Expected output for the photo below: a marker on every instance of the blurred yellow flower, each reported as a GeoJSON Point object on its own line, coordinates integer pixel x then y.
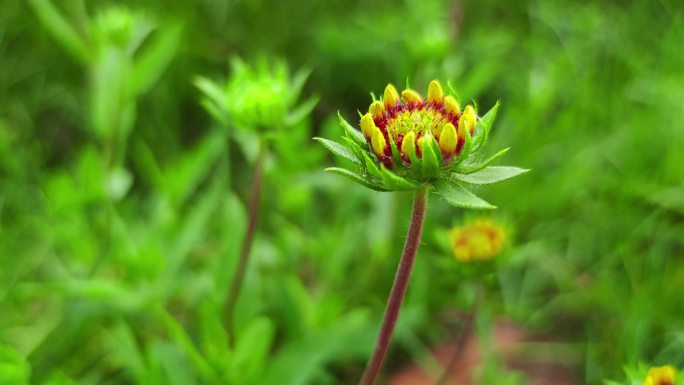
{"type": "Point", "coordinates": [479, 240]}
{"type": "Point", "coordinates": [662, 375]}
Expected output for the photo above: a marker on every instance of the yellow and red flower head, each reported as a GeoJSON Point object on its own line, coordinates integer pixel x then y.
{"type": "Point", "coordinates": [478, 240]}
{"type": "Point", "coordinates": [409, 122]}
{"type": "Point", "coordinates": [662, 375]}
{"type": "Point", "coordinates": [407, 141]}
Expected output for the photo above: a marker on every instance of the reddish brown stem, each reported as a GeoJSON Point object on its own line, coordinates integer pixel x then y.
{"type": "Point", "coordinates": [398, 291]}
{"type": "Point", "coordinates": [253, 216]}
{"type": "Point", "coordinates": [459, 348]}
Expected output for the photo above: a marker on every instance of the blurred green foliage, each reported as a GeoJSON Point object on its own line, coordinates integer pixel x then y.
{"type": "Point", "coordinates": [122, 204]}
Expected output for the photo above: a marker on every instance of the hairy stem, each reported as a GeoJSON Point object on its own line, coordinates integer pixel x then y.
{"type": "Point", "coordinates": [253, 216]}
{"type": "Point", "coordinates": [401, 280]}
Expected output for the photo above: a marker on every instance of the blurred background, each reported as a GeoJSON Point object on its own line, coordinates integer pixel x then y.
{"type": "Point", "coordinates": [123, 199]}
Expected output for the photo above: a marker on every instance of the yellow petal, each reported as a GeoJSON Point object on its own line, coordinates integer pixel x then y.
{"type": "Point", "coordinates": [408, 145]}
{"type": "Point", "coordinates": [451, 105]}
{"type": "Point", "coordinates": [411, 96]}
{"type": "Point", "coordinates": [378, 141]}
{"type": "Point", "coordinates": [376, 108]}
{"type": "Point", "coordinates": [391, 97]}
{"type": "Point", "coordinates": [467, 121]}
{"type": "Point", "coordinates": [448, 139]}
{"type": "Point", "coordinates": [367, 125]}
{"type": "Point", "coordinates": [435, 93]}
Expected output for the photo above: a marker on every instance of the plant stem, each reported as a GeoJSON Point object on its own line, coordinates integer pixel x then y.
{"type": "Point", "coordinates": [461, 340]}
{"type": "Point", "coordinates": [401, 280]}
{"type": "Point", "coordinates": [253, 216]}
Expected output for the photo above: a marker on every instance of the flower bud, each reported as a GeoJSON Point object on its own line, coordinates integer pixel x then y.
{"type": "Point", "coordinates": [408, 145]}
{"type": "Point", "coordinates": [367, 125]}
{"type": "Point", "coordinates": [451, 105]}
{"type": "Point", "coordinates": [378, 141]}
{"type": "Point", "coordinates": [435, 93]}
{"type": "Point", "coordinates": [448, 140]}
{"type": "Point", "coordinates": [411, 96]}
{"type": "Point", "coordinates": [467, 121]}
{"type": "Point", "coordinates": [391, 97]}
{"type": "Point", "coordinates": [376, 109]}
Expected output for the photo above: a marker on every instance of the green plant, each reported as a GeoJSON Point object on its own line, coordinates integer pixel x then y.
{"type": "Point", "coordinates": [261, 102]}
{"type": "Point", "coordinates": [417, 144]}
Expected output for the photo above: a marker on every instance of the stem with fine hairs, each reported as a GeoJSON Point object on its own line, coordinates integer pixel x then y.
{"type": "Point", "coordinates": [398, 291]}
{"type": "Point", "coordinates": [253, 216]}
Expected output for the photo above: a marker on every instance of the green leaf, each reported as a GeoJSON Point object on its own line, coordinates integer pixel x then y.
{"type": "Point", "coordinates": [484, 124]}
{"type": "Point", "coordinates": [252, 348]}
{"type": "Point", "coordinates": [487, 120]}
{"type": "Point", "coordinates": [358, 178]}
{"type": "Point", "coordinates": [15, 369]}
{"type": "Point", "coordinates": [430, 159]}
{"type": "Point", "coordinates": [394, 149]}
{"type": "Point", "coordinates": [470, 168]}
{"type": "Point", "coordinates": [298, 81]}
{"type": "Point", "coordinates": [61, 30]}
{"type": "Point", "coordinates": [155, 58]}
{"type": "Point", "coordinates": [460, 197]}
{"type": "Point", "coordinates": [213, 99]}
{"type": "Point", "coordinates": [339, 150]}
{"type": "Point", "coordinates": [352, 132]}
{"type": "Point", "coordinates": [394, 181]}
{"type": "Point", "coordinates": [301, 111]}
{"type": "Point", "coordinates": [490, 175]}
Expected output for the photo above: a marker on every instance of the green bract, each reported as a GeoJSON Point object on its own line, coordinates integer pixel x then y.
{"type": "Point", "coordinates": [262, 97]}
{"type": "Point", "coordinates": [408, 141]}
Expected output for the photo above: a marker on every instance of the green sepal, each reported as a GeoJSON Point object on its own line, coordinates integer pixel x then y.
{"type": "Point", "coordinates": [394, 181]}
{"type": "Point", "coordinates": [355, 148]}
{"type": "Point", "coordinates": [395, 151]}
{"type": "Point", "coordinates": [430, 160]}
{"type": "Point", "coordinates": [351, 132]}
{"type": "Point", "coordinates": [471, 168]}
{"type": "Point", "coordinates": [458, 196]}
{"type": "Point", "coordinates": [358, 178]}
{"type": "Point", "coordinates": [339, 149]}
{"type": "Point", "coordinates": [371, 167]}
{"type": "Point", "coordinates": [490, 175]}
{"type": "Point", "coordinates": [484, 125]}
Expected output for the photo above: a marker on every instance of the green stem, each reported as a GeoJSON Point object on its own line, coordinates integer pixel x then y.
{"type": "Point", "coordinates": [398, 291]}
{"type": "Point", "coordinates": [253, 216]}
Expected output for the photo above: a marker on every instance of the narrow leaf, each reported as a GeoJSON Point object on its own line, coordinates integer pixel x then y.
{"type": "Point", "coordinates": [339, 150]}
{"type": "Point", "coordinates": [155, 58]}
{"type": "Point", "coordinates": [352, 132]}
{"type": "Point", "coordinates": [61, 29]}
{"type": "Point", "coordinates": [490, 175]}
{"type": "Point", "coordinates": [357, 178]}
{"type": "Point", "coordinates": [487, 120]}
{"type": "Point", "coordinates": [484, 125]}
{"type": "Point", "coordinates": [301, 111]}
{"type": "Point", "coordinates": [470, 168]}
{"type": "Point", "coordinates": [460, 197]}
